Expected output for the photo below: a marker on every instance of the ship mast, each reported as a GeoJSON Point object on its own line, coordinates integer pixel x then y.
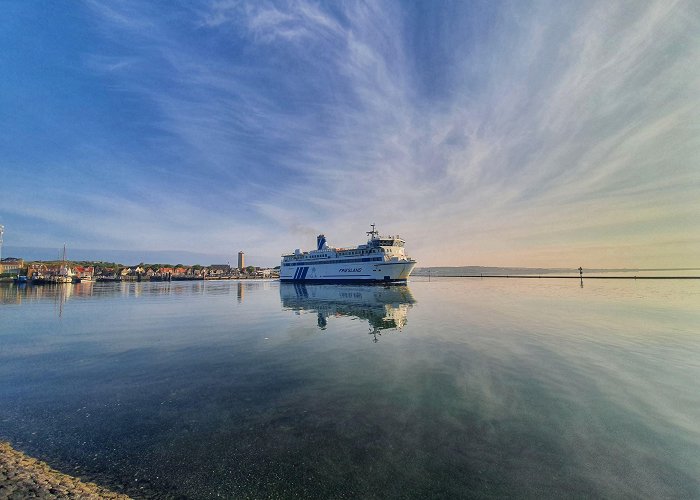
{"type": "Point", "coordinates": [373, 232]}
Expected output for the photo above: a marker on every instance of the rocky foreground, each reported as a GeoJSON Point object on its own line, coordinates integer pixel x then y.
{"type": "Point", "coordinates": [24, 477]}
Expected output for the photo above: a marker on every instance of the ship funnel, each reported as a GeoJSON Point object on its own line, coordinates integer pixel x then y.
{"type": "Point", "coordinates": [320, 242]}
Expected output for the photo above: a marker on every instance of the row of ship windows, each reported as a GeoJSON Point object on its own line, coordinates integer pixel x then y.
{"type": "Point", "coordinates": [333, 261]}
{"type": "Point", "coordinates": [358, 252]}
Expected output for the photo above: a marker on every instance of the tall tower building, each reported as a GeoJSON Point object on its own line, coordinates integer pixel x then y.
{"type": "Point", "coordinates": [241, 260]}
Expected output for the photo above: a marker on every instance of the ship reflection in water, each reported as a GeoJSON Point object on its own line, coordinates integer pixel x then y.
{"type": "Point", "coordinates": [384, 307]}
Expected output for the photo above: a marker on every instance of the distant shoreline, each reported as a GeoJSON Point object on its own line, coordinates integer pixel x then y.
{"type": "Point", "coordinates": [511, 276]}
{"type": "Point", "coordinates": [559, 273]}
{"type": "Point", "coordinates": [547, 270]}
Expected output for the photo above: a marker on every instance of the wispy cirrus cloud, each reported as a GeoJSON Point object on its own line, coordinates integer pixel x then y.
{"type": "Point", "coordinates": [502, 134]}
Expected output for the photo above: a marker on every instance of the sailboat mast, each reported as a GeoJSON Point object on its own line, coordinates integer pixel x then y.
{"type": "Point", "coordinates": [64, 266]}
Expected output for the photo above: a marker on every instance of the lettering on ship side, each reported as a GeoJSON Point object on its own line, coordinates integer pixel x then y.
{"type": "Point", "coordinates": [350, 270]}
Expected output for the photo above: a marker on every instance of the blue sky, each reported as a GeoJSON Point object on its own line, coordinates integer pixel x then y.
{"type": "Point", "coordinates": [549, 134]}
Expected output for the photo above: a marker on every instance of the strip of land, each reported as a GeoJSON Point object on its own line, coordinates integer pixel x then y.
{"type": "Point", "coordinates": [566, 277]}
{"type": "Point", "coordinates": [25, 477]}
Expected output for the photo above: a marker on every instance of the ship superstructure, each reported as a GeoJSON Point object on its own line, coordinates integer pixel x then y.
{"type": "Point", "coordinates": [381, 259]}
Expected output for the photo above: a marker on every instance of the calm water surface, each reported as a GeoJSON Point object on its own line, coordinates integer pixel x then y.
{"type": "Point", "coordinates": [447, 388]}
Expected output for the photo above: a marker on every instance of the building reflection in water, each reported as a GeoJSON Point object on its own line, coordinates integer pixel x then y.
{"type": "Point", "coordinates": [58, 293]}
{"type": "Point", "coordinates": [384, 307]}
{"type": "Point", "coordinates": [17, 294]}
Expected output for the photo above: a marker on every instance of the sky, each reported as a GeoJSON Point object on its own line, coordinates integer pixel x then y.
{"type": "Point", "coordinates": [494, 133]}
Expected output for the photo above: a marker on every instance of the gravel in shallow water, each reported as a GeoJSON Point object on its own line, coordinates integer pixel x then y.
{"type": "Point", "coordinates": [24, 477]}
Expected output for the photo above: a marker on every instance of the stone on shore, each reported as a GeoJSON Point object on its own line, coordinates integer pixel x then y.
{"type": "Point", "coordinates": [25, 477]}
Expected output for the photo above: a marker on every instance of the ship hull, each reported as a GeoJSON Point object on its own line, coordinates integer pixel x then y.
{"type": "Point", "coordinates": [361, 272]}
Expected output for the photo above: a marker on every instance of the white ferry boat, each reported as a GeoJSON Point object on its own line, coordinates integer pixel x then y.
{"type": "Point", "coordinates": [381, 259]}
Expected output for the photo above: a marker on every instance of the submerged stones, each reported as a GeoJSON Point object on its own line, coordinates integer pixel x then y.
{"type": "Point", "coordinates": [25, 477]}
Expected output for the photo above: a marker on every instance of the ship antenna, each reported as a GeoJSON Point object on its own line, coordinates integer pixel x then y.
{"type": "Point", "coordinates": [373, 232]}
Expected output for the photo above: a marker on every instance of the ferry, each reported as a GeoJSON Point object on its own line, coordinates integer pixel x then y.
{"type": "Point", "coordinates": [381, 260]}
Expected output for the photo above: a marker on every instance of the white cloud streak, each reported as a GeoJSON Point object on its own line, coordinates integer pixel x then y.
{"type": "Point", "coordinates": [567, 134]}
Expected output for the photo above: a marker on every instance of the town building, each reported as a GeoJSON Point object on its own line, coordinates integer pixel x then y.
{"type": "Point", "coordinates": [84, 272]}
{"type": "Point", "coordinates": [219, 270]}
{"type": "Point", "coordinates": [11, 265]}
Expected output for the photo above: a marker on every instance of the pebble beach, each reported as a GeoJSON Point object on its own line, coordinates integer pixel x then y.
{"type": "Point", "coordinates": [25, 477]}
